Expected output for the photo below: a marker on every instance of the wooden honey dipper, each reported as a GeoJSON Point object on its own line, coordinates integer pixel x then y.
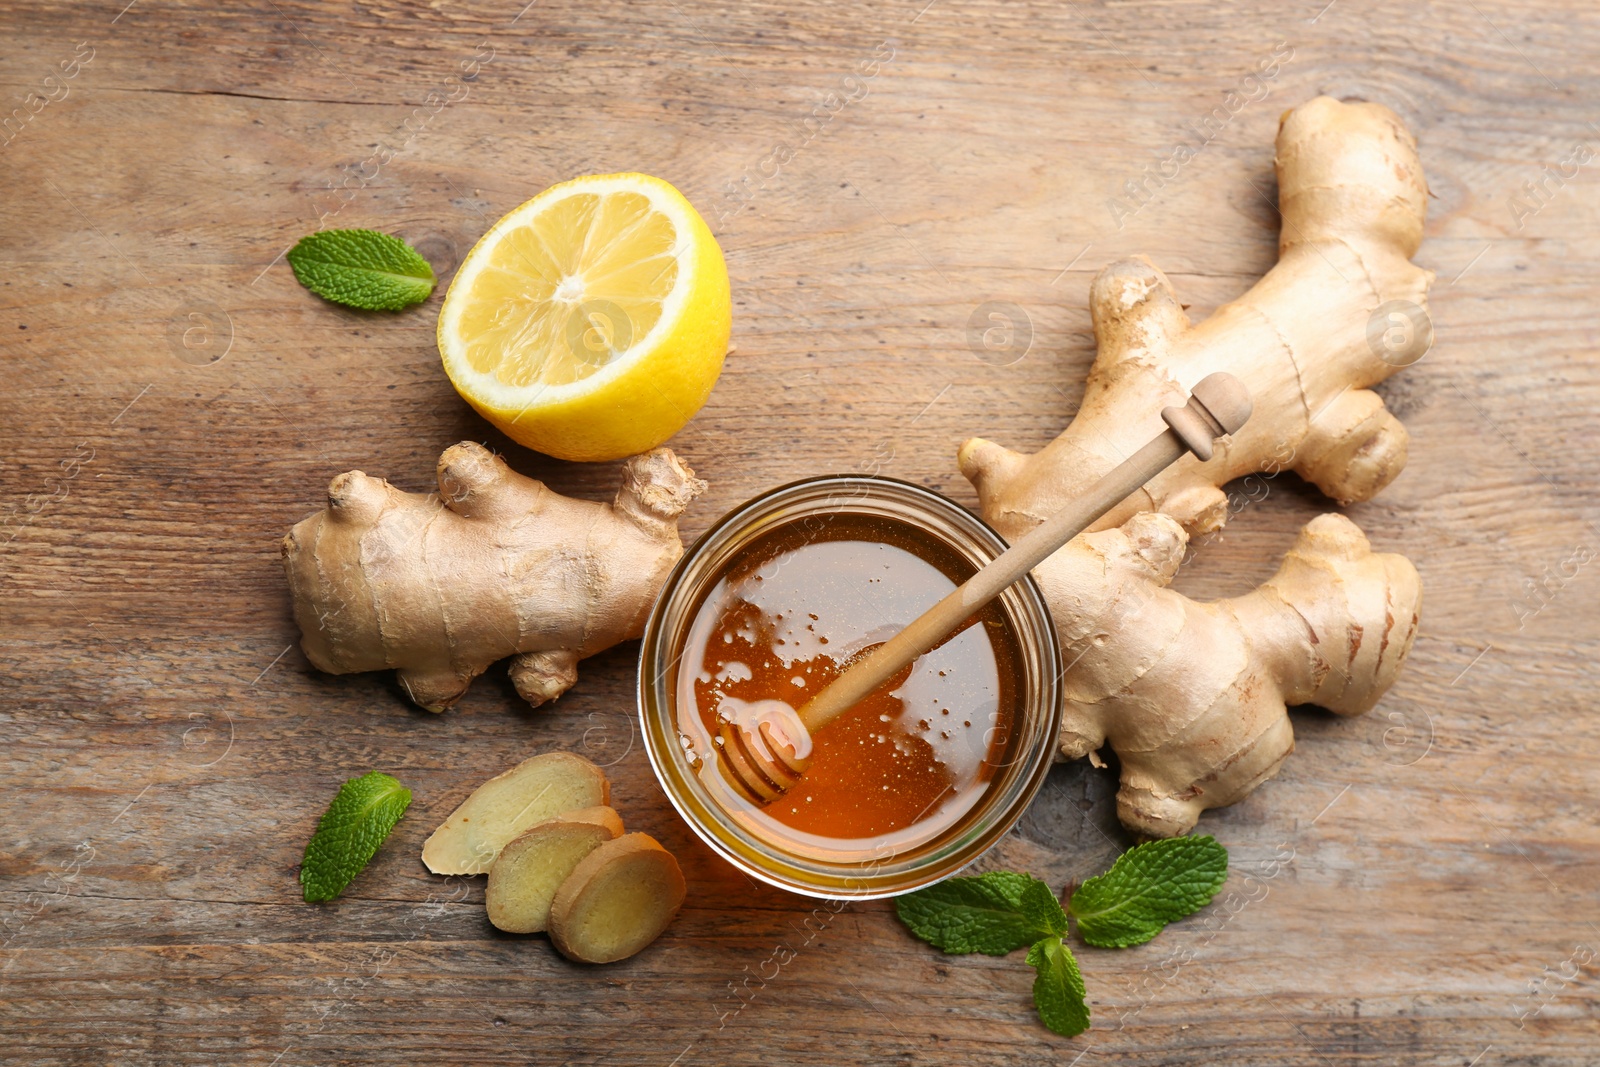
{"type": "Point", "coordinates": [767, 744]}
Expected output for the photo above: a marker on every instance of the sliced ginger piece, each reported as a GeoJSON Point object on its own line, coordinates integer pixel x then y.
{"type": "Point", "coordinates": [617, 900]}
{"type": "Point", "coordinates": [534, 791]}
{"type": "Point", "coordinates": [599, 815]}
{"type": "Point", "coordinates": [529, 870]}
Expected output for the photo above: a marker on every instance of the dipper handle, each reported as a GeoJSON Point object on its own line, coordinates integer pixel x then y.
{"type": "Point", "coordinates": [1218, 405]}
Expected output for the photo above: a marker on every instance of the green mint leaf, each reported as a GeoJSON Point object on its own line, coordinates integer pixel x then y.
{"type": "Point", "coordinates": [350, 832]}
{"type": "Point", "coordinates": [362, 269]}
{"type": "Point", "coordinates": [1058, 988]}
{"type": "Point", "coordinates": [1042, 909]}
{"type": "Point", "coordinates": [1149, 886]}
{"type": "Point", "coordinates": [993, 913]}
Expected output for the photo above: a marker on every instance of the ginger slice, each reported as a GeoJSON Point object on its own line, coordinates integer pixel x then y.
{"type": "Point", "coordinates": [599, 815]}
{"type": "Point", "coordinates": [534, 791]}
{"type": "Point", "coordinates": [617, 900]}
{"type": "Point", "coordinates": [529, 870]}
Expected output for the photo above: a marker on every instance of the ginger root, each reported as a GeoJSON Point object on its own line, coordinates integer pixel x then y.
{"type": "Point", "coordinates": [496, 565]}
{"type": "Point", "coordinates": [1192, 697]}
{"type": "Point", "coordinates": [1303, 339]}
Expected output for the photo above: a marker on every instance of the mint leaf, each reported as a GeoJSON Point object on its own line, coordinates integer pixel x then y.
{"type": "Point", "coordinates": [993, 913]}
{"type": "Point", "coordinates": [1058, 988]}
{"type": "Point", "coordinates": [350, 832]}
{"type": "Point", "coordinates": [1042, 909]}
{"type": "Point", "coordinates": [1149, 886]}
{"type": "Point", "coordinates": [362, 269]}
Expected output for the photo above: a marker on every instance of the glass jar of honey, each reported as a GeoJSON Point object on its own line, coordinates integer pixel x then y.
{"type": "Point", "coordinates": [779, 598]}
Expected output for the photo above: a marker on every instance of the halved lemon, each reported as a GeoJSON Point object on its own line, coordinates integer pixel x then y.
{"type": "Point", "coordinates": [591, 322]}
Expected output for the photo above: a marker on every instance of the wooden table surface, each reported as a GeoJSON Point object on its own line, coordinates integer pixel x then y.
{"type": "Point", "coordinates": [1418, 886]}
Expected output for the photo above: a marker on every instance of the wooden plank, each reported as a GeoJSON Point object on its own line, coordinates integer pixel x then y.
{"type": "Point", "coordinates": [173, 401]}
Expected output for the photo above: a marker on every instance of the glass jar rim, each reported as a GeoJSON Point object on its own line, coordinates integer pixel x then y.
{"type": "Point", "coordinates": [1006, 797]}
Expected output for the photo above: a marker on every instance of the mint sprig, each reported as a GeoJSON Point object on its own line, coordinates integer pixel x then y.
{"type": "Point", "coordinates": [999, 912]}
{"type": "Point", "coordinates": [362, 269]}
{"type": "Point", "coordinates": [1148, 887]}
{"type": "Point", "coordinates": [350, 833]}
{"type": "Point", "coordinates": [994, 913]}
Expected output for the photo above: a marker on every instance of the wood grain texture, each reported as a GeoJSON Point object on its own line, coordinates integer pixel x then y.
{"type": "Point", "coordinates": [173, 401]}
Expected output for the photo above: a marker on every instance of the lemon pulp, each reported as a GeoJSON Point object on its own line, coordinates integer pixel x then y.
{"type": "Point", "coordinates": [590, 322]}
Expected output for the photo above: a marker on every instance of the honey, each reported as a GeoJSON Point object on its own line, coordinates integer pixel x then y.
{"type": "Point", "coordinates": [795, 608]}
{"type": "Point", "coordinates": [778, 597]}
